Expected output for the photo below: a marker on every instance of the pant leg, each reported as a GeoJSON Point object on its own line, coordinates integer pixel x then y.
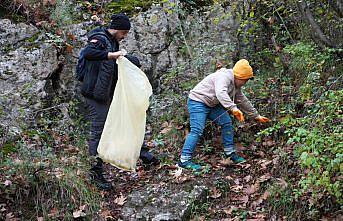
{"type": "Point", "coordinates": [97, 113]}
{"type": "Point", "coordinates": [220, 116]}
{"type": "Point", "coordinates": [198, 114]}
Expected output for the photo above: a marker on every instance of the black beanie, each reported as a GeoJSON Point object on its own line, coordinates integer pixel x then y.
{"type": "Point", "coordinates": [120, 22]}
{"type": "Point", "coordinates": [134, 60]}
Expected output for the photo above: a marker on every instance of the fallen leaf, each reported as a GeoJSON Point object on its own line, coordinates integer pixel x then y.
{"type": "Point", "coordinates": [215, 193]}
{"type": "Point", "coordinates": [264, 178]}
{"type": "Point", "coordinates": [265, 163]}
{"type": "Point", "coordinates": [10, 217]}
{"type": "Point", "coordinates": [165, 124]}
{"type": "Point", "coordinates": [78, 213]}
{"type": "Point", "coordinates": [226, 162]}
{"type": "Point", "coordinates": [231, 209]}
{"type": "Point", "coordinates": [282, 183]}
{"type": "Point", "coordinates": [165, 130]}
{"type": "Point", "coordinates": [269, 143]}
{"type": "Point", "coordinates": [257, 203]}
{"type": "Point", "coordinates": [71, 36]}
{"type": "Point", "coordinates": [244, 199]}
{"type": "Point", "coordinates": [106, 214]}
{"type": "Point", "coordinates": [240, 147]}
{"type": "Point", "coordinates": [40, 218]}
{"type": "Point", "coordinates": [47, 2]}
{"type": "Point", "coordinates": [177, 173]}
{"type": "Point", "coordinates": [257, 219]}
{"type": "Point", "coordinates": [276, 161]}
{"type": "Point", "coordinates": [53, 212]}
{"type": "Point", "coordinates": [83, 207]}
{"type": "Point", "coordinates": [236, 181]}
{"type": "Point", "coordinates": [69, 48]}
{"type": "Point", "coordinates": [228, 178]}
{"type": "Point", "coordinates": [251, 189]}
{"type": "Point", "coordinates": [8, 183]}
{"type": "Point", "coordinates": [95, 18]}
{"type": "Point", "coordinates": [260, 153]}
{"type": "Point", "coordinates": [121, 200]}
{"type": "Point", "coordinates": [182, 179]}
{"type": "Point", "coordinates": [245, 166]}
{"type": "Point", "coordinates": [59, 32]}
{"type": "Point", "coordinates": [266, 194]}
{"type": "Point", "coordinates": [212, 211]}
{"type": "Point", "coordinates": [198, 218]}
{"type": "Point", "coordinates": [247, 178]}
{"type": "Point", "coordinates": [237, 188]}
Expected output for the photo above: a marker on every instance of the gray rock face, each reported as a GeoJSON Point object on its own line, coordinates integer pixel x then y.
{"type": "Point", "coordinates": [160, 39]}
{"type": "Point", "coordinates": [11, 34]}
{"type": "Point", "coordinates": [31, 68]}
{"type": "Point", "coordinates": [150, 39]}
{"type": "Point", "coordinates": [162, 203]}
{"type": "Point", "coordinates": [23, 78]}
{"type": "Point", "coordinates": [24, 73]}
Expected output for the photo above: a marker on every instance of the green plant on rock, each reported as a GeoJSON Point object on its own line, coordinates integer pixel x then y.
{"type": "Point", "coordinates": [129, 6]}
{"type": "Point", "coordinates": [63, 13]}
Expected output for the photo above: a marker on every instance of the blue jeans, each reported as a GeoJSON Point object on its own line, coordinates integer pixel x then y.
{"type": "Point", "coordinates": [199, 113]}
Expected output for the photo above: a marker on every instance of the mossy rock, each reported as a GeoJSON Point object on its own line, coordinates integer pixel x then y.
{"type": "Point", "coordinates": [129, 7]}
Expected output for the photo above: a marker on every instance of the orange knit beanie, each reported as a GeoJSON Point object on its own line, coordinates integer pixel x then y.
{"type": "Point", "coordinates": [242, 70]}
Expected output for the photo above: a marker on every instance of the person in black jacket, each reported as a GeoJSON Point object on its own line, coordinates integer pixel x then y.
{"type": "Point", "coordinates": [99, 83]}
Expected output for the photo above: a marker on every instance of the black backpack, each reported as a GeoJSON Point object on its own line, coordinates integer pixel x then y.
{"type": "Point", "coordinates": [81, 68]}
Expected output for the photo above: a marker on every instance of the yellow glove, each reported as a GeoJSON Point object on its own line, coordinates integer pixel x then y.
{"type": "Point", "coordinates": [262, 119]}
{"type": "Point", "coordinates": [238, 114]}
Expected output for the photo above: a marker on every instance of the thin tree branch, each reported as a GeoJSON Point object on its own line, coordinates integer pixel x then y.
{"type": "Point", "coordinates": [337, 6]}
{"type": "Point", "coordinates": [183, 34]}
{"type": "Point", "coordinates": [284, 24]}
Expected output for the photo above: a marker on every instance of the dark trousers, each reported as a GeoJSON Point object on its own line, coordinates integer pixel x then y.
{"type": "Point", "coordinates": [97, 114]}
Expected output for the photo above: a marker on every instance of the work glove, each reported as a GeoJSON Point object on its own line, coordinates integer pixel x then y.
{"type": "Point", "coordinates": [238, 114]}
{"type": "Point", "coordinates": [262, 119]}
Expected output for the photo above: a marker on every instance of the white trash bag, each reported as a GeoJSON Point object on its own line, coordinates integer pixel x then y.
{"type": "Point", "coordinates": [124, 129]}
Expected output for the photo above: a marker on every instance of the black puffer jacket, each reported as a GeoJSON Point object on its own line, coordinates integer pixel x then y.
{"type": "Point", "coordinates": [102, 74]}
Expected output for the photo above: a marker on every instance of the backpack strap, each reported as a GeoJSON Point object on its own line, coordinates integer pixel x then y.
{"type": "Point", "coordinates": [101, 34]}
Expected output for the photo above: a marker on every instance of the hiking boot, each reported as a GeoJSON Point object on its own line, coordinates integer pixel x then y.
{"type": "Point", "coordinates": [236, 158]}
{"type": "Point", "coordinates": [97, 177]}
{"type": "Point", "coordinates": [148, 158]}
{"type": "Point", "coordinates": [190, 165]}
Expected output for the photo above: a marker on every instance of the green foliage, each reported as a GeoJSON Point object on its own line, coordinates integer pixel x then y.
{"type": "Point", "coordinates": [192, 5]}
{"type": "Point", "coordinates": [46, 167]}
{"type": "Point", "coordinates": [281, 202]}
{"type": "Point", "coordinates": [63, 13]}
{"type": "Point", "coordinates": [47, 177]}
{"type": "Point", "coordinates": [129, 6]}
{"type": "Point", "coordinates": [317, 142]}
{"type": "Point", "coordinates": [320, 149]}
{"type": "Point", "coordinates": [308, 57]}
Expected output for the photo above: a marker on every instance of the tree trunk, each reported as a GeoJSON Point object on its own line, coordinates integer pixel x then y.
{"type": "Point", "coordinates": [317, 31]}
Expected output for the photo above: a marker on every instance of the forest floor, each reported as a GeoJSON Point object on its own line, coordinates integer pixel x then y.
{"type": "Point", "coordinates": [236, 191]}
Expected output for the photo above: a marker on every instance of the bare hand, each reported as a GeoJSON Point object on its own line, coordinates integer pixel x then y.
{"type": "Point", "coordinates": [114, 55]}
